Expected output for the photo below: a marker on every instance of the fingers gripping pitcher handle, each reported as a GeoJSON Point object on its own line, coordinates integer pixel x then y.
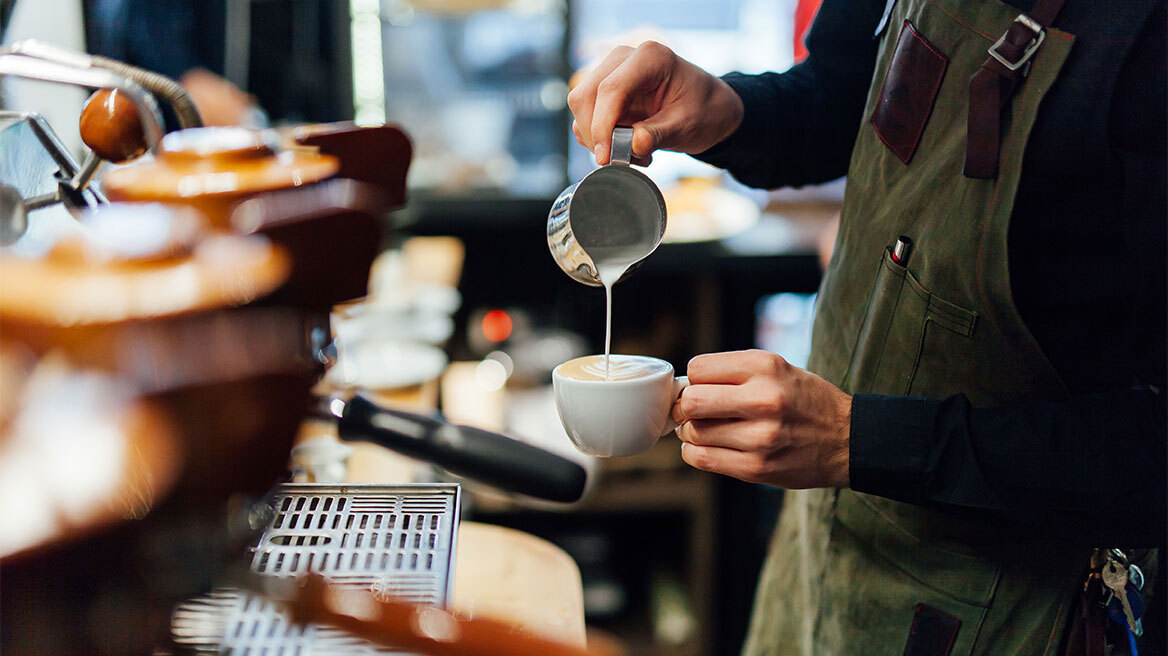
{"type": "Point", "coordinates": [622, 146]}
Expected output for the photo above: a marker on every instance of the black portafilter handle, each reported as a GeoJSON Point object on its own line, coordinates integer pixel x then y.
{"type": "Point", "coordinates": [490, 458]}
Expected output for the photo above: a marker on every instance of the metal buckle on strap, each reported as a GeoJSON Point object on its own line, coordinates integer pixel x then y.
{"type": "Point", "coordinates": [1039, 35]}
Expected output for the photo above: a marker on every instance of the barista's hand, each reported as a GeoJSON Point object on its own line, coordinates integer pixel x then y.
{"type": "Point", "coordinates": [669, 102]}
{"type": "Point", "coordinates": [218, 100]}
{"type": "Point", "coordinates": [753, 416]}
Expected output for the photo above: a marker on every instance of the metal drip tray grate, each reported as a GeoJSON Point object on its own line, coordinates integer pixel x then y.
{"type": "Point", "coordinates": [394, 540]}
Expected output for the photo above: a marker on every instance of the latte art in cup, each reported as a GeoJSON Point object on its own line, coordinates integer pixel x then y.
{"type": "Point", "coordinates": [621, 367]}
{"type": "Point", "coordinates": [623, 415]}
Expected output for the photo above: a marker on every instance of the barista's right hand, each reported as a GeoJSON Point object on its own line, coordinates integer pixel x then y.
{"type": "Point", "coordinates": [670, 103]}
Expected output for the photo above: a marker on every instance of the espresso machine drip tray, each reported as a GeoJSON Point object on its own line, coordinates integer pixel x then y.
{"type": "Point", "coordinates": [396, 541]}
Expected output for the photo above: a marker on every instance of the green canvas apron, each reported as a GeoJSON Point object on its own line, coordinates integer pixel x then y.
{"type": "Point", "coordinates": [846, 570]}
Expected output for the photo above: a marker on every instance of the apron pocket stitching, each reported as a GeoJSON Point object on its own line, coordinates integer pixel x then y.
{"type": "Point", "coordinates": [945, 313]}
{"type": "Point", "coordinates": [888, 327]}
{"type": "Point", "coordinates": [886, 263]}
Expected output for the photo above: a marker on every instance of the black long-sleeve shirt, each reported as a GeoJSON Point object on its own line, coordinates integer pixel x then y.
{"type": "Point", "coordinates": [1087, 255]}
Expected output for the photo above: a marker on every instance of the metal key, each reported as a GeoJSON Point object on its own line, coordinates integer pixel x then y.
{"type": "Point", "coordinates": [1115, 577]}
{"type": "Point", "coordinates": [1136, 576]}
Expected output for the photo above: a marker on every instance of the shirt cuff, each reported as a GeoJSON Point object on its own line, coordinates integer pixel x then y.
{"type": "Point", "coordinates": [886, 453]}
{"type": "Point", "coordinates": [727, 153]}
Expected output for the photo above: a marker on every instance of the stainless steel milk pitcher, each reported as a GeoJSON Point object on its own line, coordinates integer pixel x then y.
{"type": "Point", "coordinates": [614, 211]}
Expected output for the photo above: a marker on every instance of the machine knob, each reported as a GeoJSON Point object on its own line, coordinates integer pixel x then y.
{"type": "Point", "coordinates": [13, 215]}
{"type": "Point", "coordinates": [111, 127]}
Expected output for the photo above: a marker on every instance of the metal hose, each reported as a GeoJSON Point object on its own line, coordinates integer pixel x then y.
{"type": "Point", "coordinates": [66, 70]}
{"type": "Point", "coordinates": [159, 85]}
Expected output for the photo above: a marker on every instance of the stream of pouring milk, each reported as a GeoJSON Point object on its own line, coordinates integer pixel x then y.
{"type": "Point", "coordinates": [609, 271]}
{"type": "Point", "coordinates": [616, 234]}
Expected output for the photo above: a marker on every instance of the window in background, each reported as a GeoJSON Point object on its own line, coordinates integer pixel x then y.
{"type": "Point", "coordinates": [784, 326]}
{"type": "Point", "coordinates": [751, 36]}
{"type": "Point", "coordinates": [479, 86]}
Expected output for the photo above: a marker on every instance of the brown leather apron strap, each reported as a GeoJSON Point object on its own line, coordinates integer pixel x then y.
{"type": "Point", "coordinates": [992, 86]}
{"type": "Point", "coordinates": [1086, 637]}
{"type": "Point", "coordinates": [1088, 631]}
{"type": "Point", "coordinates": [1096, 623]}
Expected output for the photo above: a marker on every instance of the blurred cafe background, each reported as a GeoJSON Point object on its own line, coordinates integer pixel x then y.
{"type": "Point", "coordinates": [171, 350]}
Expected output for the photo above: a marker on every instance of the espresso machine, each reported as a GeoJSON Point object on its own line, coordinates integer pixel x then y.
{"type": "Point", "coordinates": [163, 333]}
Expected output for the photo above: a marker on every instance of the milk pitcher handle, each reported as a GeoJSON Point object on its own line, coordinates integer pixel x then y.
{"type": "Point", "coordinates": [622, 146]}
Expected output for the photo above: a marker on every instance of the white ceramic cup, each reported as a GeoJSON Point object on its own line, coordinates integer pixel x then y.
{"type": "Point", "coordinates": [620, 417]}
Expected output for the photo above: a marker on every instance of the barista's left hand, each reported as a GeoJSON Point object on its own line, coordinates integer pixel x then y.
{"type": "Point", "coordinates": [218, 100]}
{"type": "Point", "coordinates": [753, 416]}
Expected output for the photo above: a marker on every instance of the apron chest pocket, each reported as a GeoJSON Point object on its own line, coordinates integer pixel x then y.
{"type": "Point", "coordinates": [901, 314]}
{"type": "Point", "coordinates": [908, 93]}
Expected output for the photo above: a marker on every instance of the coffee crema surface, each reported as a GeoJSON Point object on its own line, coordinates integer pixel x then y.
{"type": "Point", "coordinates": [623, 367]}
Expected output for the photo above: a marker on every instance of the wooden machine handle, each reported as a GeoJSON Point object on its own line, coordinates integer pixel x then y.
{"type": "Point", "coordinates": [423, 629]}
{"type": "Point", "coordinates": [110, 126]}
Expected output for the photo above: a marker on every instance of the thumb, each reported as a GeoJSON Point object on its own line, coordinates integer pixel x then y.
{"type": "Point", "coordinates": [665, 130]}
{"type": "Point", "coordinates": [645, 138]}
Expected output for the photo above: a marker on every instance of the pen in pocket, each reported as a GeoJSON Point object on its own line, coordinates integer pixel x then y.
{"type": "Point", "coordinates": [902, 250]}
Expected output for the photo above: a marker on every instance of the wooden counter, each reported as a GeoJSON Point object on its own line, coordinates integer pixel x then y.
{"type": "Point", "coordinates": [515, 577]}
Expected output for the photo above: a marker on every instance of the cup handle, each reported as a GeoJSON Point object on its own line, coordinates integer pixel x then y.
{"type": "Point", "coordinates": [679, 383]}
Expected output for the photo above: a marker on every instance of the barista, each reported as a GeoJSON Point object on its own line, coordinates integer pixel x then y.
{"type": "Point", "coordinates": [983, 405]}
{"type": "Point", "coordinates": [181, 39]}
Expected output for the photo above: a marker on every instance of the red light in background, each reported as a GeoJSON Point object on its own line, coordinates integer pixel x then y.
{"type": "Point", "coordinates": [496, 325]}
